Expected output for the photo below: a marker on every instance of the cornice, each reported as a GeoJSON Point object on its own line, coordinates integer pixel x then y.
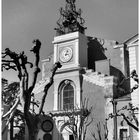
{"type": "Point", "coordinates": [99, 79]}
{"type": "Point", "coordinates": [63, 38]}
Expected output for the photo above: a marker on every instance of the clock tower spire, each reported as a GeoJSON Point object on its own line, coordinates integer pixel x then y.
{"type": "Point", "coordinates": [70, 19]}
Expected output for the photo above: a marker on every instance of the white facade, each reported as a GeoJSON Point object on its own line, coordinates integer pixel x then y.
{"type": "Point", "coordinates": [132, 46]}
{"type": "Point", "coordinates": [71, 51]}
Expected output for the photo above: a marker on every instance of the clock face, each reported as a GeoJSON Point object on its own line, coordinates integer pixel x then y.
{"type": "Point", "coordinates": [66, 54]}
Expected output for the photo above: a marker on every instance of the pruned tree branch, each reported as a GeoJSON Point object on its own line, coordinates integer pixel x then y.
{"type": "Point", "coordinates": [34, 103]}
{"type": "Point", "coordinates": [7, 61]}
{"type": "Point", "coordinates": [99, 130]}
{"type": "Point", "coordinates": [11, 109]}
{"type": "Point", "coordinates": [129, 123]}
{"type": "Point", "coordinates": [94, 136]}
{"type": "Point", "coordinates": [99, 135]}
{"type": "Point", "coordinates": [128, 118]}
{"type": "Point", "coordinates": [8, 66]}
{"type": "Point", "coordinates": [15, 58]}
{"type": "Point", "coordinates": [86, 126]}
{"type": "Point", "coordinates": [9, 120]}
{"type": "Point", "coordinates": [46, 88]}
{"type": "Point", "coordinates": [106, 130]}
{"type": "Point", "coordinates": [35, 50]}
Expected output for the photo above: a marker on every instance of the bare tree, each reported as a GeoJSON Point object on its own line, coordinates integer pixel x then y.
{"type": "Point", "coordinates": [128, 112]}
{"type": "Point", "coordinates": [9, 95]}
{"type": "Point", "coordinates": [77, 120]}
{"type": "Point", "coordinates": [101, 132]}
{"type": "Point", "coordinates": [18, 62]}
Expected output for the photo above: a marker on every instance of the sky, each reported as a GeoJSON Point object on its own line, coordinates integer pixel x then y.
{"type": "Point", "coordinates": [25, 20]}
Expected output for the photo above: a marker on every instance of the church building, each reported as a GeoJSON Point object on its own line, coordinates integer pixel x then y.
{"type": "Point", "coordinates": [92, 69]}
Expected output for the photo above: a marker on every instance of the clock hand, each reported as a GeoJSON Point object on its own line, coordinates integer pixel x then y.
{"type": "Point", "coordinates": [67, 53]}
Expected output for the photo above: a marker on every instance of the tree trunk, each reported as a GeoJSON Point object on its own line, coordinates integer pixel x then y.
{"type": "Point", "coordinates": [32, 123]}
{"type": "Point", "coordinates": [11, 129]}
{"type": "Point", "coordinates": [32, 131]}
{"type": "Point", "coordinates": [32, 134]}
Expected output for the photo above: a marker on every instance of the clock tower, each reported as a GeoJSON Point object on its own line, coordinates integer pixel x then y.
{"type": "Point", "coordinates": [70, 49]}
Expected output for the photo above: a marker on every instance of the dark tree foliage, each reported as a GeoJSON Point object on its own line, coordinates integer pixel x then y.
{"type": "Point", "coordinates": [10, 94]}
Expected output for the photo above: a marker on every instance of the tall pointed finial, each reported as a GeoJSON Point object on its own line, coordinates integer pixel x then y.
{"type": "Point", "coordinates": [70, 19]}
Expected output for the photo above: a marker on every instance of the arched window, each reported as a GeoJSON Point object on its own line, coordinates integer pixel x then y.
{"type": "Point", "coordinates": [67, 95]}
